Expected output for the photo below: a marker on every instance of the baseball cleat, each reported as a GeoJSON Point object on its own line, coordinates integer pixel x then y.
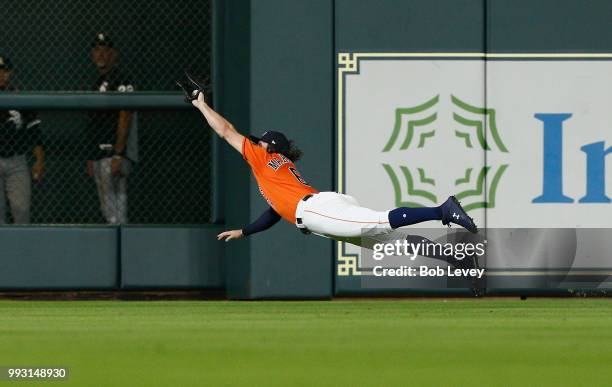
{"type": "Point", "coordinates": [476, 284]}
{"type": "Point", "coordinates": [452, 212]}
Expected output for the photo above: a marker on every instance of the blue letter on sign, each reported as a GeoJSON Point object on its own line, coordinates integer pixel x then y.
{"type": "Point", "coordinates": [552, 191]}
{"type": "Point", "coordinates": [596, 173]}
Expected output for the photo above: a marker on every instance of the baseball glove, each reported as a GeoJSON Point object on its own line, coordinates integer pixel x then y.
{"type": "Point", "coordinates": [193, 86]}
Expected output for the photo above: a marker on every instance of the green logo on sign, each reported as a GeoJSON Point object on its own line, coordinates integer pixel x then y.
{"type": "Point", "coordinates": [476, 129]}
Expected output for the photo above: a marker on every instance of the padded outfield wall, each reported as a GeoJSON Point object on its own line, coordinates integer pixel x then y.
{"type": "Point", "coordinates": [483, 82]}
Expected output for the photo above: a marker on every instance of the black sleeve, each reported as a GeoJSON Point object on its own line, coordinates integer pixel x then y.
{"type": "Point", "coordinates": [32, 125]}
{"type": "Point", "coordinates": [268, 219]}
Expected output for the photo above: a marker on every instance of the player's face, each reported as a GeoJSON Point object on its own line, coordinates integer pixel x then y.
{"type": "Point", "coordinates": [104, 58]}
{"type": "Point", "coordinates": [263, 145]}
{"type": "Point", "coordinates": [5, 77]}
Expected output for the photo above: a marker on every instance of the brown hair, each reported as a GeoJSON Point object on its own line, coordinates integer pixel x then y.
{"type": "Point", "coordinates": [293, 153]}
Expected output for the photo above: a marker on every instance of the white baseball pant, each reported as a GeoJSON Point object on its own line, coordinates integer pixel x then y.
{"type": "Point", "coordinates": [15, 185]}
{"type": "Point", "coordinates": [112, 190]}
{"type": "Point", "coordinates": [340, 217]}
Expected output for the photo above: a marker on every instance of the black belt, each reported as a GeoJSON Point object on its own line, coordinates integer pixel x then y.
{"type": "Point", "coordinates": [303, 229]}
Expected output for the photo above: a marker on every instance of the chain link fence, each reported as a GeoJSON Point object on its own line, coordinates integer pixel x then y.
{"type": "Point", "coordinates": [49, 46]}
{"type": "Point", "coordinates": [49, 42]}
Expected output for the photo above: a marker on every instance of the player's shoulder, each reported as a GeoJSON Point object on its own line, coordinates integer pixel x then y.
{"type": "Point", "coordinates": [254, 153]}
{"type": "Point", "coordinates": [259, 149]}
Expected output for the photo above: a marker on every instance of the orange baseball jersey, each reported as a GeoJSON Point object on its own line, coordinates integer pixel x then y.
{"type": "Point", "coordinates": [279, 182]}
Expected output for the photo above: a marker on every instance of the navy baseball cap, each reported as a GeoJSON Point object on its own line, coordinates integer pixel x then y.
{"type": "Point", "coordinates": [5, 63]}
{"type": "Point", "coordinates": [278, 140]}
{"type": "Point", "coordinates": [102, 39]}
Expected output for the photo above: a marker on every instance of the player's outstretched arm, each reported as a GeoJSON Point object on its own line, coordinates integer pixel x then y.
{"type": "Point", "coordinates": [268, 219]}
{"type": "Point", "coordinates": [219, 124]}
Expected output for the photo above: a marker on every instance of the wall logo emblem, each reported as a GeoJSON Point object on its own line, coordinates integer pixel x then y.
{"type": "Point", "coordinates": [475, 130]}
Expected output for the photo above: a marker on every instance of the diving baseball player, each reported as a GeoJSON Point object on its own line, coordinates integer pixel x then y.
{"type": "Point", "coordinates": [272, 160]}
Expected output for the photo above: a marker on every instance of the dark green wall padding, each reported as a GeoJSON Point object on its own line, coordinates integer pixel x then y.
{"type": "Point", "coordinates": [293, 67]}
{"type": "Point", "coordinates": [58, 258]}
{"type": "Point", "coordinates": [110, 258]}
{"type": "Point", "coordinates": [179, 257]}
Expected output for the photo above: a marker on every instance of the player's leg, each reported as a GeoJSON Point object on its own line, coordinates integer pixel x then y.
{"type": "Point", "coordinates": [340, 217]}
{"type": "Point", "coordinates": [104, 183]}
{"type": "Point", "coordinates": [449, 212]}
{"type": "Point", "coordinates": [334, 214]}
{"type": "Point", "coordinates": [19, 189]}
{"type": "Point", "coordinates": [331, 213]}
{"type": "Point", "coordinates": [120, 187]}
{"type": "Point", "coordinates": [428, 250]}
{"type": "Point", "coordinates": [404, 216]}
{"type": "Point", "coordinates": [2, 193]}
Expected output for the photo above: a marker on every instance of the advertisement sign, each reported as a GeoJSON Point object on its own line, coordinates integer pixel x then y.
{"type": "Point", "coordinates": [520, 139]}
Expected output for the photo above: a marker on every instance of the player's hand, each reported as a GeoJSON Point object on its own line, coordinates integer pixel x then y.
{"type": "Point", "coordinates": [200, 101]}
{"type": "Point", "coordinates": [37, 171]}
{"type": "Point", "coordinates": [90, 168]}
{"type": "Point", "coordinates": [194, 89]}
{"type": "Point", "coordinates": [116, 165]}
{"type": "Point", "coordinates": [229, 235]}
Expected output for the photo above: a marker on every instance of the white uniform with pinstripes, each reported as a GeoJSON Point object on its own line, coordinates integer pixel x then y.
{"type": "Point", "coordinates": [340, 216]}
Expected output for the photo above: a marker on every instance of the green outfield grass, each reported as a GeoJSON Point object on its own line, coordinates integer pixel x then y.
{"type": "Point", "coordinates": [349, 343]}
